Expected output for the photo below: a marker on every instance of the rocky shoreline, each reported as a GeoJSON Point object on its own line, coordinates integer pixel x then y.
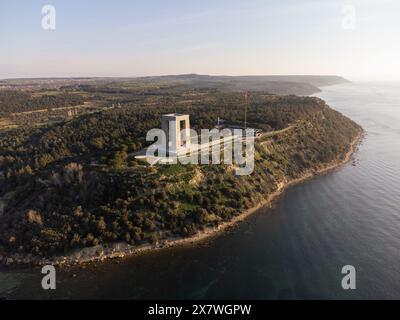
{"type": "Point", "coordinates": [121, 250]}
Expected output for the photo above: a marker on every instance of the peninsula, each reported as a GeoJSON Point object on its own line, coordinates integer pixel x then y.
{"type": "Point", "coordinates": [69, 192]}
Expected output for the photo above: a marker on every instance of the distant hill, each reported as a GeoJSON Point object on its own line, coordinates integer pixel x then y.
{"type": "Point", "coordinates": [281, 85]}
{"type": "Point", "coordinates": [318, 81]}
{"type": "Point", "coordinates": [314, 80]}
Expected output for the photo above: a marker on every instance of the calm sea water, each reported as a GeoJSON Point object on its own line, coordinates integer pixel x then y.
{"type": "Point", "coordinates": [295, 250]}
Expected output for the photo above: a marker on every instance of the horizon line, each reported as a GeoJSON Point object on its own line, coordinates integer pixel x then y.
{"type": "Point", "coordinates": [169, 75]}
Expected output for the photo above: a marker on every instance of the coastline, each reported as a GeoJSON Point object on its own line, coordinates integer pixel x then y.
{"type": "Point", "coordinates": [122, 250]}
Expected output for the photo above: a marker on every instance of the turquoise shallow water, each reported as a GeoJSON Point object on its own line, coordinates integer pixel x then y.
{"type": "Point", "coordinates": [295, 250]}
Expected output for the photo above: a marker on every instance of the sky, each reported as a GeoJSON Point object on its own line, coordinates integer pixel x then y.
{"type": "Point", "coordinates": [357, 39]}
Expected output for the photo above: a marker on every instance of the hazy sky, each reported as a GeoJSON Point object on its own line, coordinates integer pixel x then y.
{"type": "Point", "coordinates": [151, 37]}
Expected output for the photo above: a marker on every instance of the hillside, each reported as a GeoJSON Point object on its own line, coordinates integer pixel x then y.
{"type": "Point", "coordinates": [70, 184]}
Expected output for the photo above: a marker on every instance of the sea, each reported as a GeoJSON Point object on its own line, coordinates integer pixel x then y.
{"type": "Point", "coordinates": [294, 250]}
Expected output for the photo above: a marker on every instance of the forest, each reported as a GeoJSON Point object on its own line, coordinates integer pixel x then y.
{"type": "Point", "coordinates": [72, 184]}
{"type": "Point", "coordinates": [14, 101]}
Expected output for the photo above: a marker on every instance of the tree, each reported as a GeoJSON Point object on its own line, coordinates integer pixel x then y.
{"type": "Point", "coordinates": [101, 225]}
{"type": "Point", "coordinates": [119, 159]}
{"type": "Point", "coordinates": [200, 215]}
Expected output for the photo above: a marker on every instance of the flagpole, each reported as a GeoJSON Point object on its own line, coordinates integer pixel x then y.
{"type": "Point", "coordinates": [246, 96]}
